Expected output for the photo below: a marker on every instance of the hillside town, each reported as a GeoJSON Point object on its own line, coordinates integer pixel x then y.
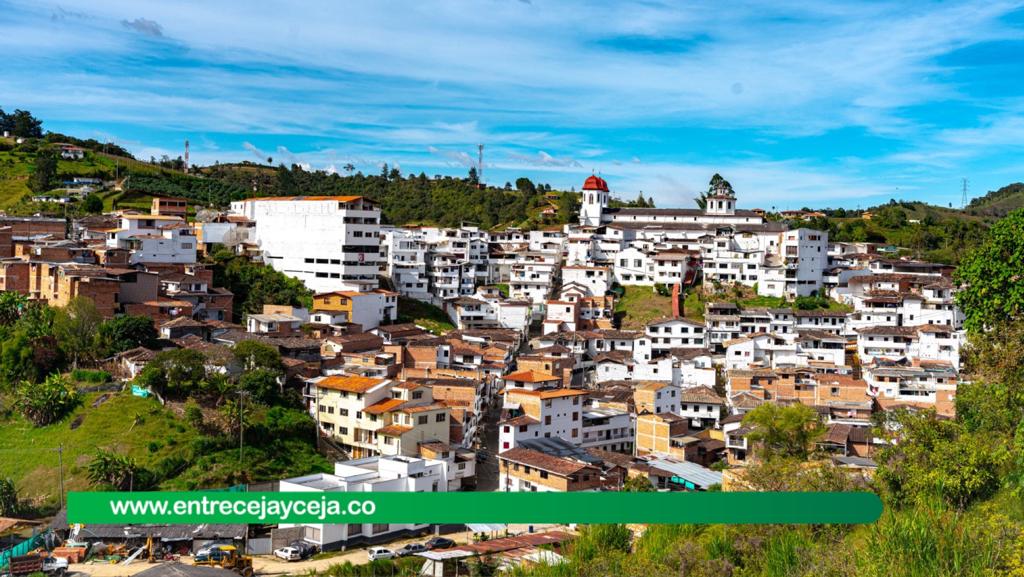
{"type": "Point", "coordinates": [548, 381]}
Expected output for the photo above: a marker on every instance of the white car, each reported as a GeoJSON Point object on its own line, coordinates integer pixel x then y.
{"type": "Point", "coordinates": [55, 566]}
{"type": "Point", "coordinates": [288, 553]}
{"type": "Point", "coordinates": [380, 553]}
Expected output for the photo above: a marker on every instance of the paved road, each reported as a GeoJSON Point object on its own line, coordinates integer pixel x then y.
{"type": "Point", "coordinates": [269, 565]}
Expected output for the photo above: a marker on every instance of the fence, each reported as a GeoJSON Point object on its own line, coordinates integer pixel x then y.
{"type": "Point", "coordinates": [22, 548]}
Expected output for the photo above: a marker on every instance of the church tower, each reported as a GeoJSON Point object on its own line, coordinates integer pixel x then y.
{"type": "Point", "coordinates": [721, 201]}
{"type": "Point", "coordinates": [595, 201]}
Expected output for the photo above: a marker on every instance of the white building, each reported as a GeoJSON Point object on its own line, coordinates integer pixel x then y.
{"type": "Point", "coordinates": [676, 333]}
{"type": "Point", "coordinates": [154, 239]}
{"type": "Point", "coordinates": [596, 279]}
{"type": "Point", "coordinates": [372, 474]}
{"type": "Point", "coordinates": [798, 266]}
{"type": "Point", "coordinates": [328, 242]}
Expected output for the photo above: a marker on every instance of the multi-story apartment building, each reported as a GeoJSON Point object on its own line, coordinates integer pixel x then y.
{"type": "Point", "coordinates": [328, 242]}
{"type": "Point", "coordinates": [377, 474]}
{"type": "Point", "coordinates": [373, 416]}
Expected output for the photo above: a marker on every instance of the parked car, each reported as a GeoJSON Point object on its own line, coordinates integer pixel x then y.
{"type": "Point", "coordinates": [375, 553]}
{"type": "Point", "coordinates": [288, 553]}
{"type": "Point", "coordinates": [411, 549]}
{"type": "Point", "coordinates": [213, 552]}
{"type": "Point", "coordinates": [482, 456]}
{"type": "Point", "coordinates": [440, 543]}
{"type": "Point", "coordinates": [306, 550]}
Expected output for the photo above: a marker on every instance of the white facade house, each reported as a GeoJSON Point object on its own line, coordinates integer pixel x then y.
{"type": "Point", "coordinates": [376, 474]}
{"type": "Point", "coordinates": [676, 333]}
{"type": "Point", "coordinates": [328, 242]}
{"type": "Point", "coordinates": [596, 279]}
{"type": "Point", "coordinates": [405, 258]}
{"type": "Point", "coordinates": [154, 239]}
{"type": "Point", "coordinates": [797, 268]}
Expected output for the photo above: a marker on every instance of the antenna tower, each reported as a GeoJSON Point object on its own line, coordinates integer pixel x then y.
{"type": "Point", "coordinates": [480, 163]}
{"type": "Point", "coordinates": [963, 197]}
{"type": "Point", "coordinates": [186, 156]}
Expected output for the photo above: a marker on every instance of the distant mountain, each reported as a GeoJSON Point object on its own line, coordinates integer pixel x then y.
{"type": "Point", "coordinates": [998, 203]}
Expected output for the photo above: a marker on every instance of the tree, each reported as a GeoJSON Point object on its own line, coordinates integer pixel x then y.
{"type": "Point", "coordinates": [118, 472]}
{"type": "Point", "coordinates": [48, 401]}
{"type": "Point", "coordinates": [637, 484]}
{"type": "Point", "coordinates": [92, 203]}
{"type": "Point", "coordinates": [783, 431]}
{"type": "Point", "coordinates": [254, 355]}
{"type": "Point", "coordinates": [8, 498]}
{"type": "Point", "coordinates": [23, 124]}
{"type": "Point", "coordinates": [474, 178]}
{"type": "Point", "coordinates": [45, 173]}
{"type": "Point", "coordinates": [928, 457]}
{"type": "Point", "coordinates": [526, 186]}
{"type": "Point", "coordinates": [24, 357]}
{"type": "Point", "coordinates": [177, 373]}
{"type": "Point", "coordinates": [75, 326]}
{"type": "Point", "coordinates": [991, 276]}
{"type": "Point", "coordinates": [264, 385]}
{"type": "Point", "coordinates": [11, 306]}
{"type": "Point", "coordinates": [125, 332]}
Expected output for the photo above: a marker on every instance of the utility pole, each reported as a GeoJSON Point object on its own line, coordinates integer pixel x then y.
{"type": "Point", "coordinates": [241, 426]}
{"type": "Point", "coordinates": [60, 464]}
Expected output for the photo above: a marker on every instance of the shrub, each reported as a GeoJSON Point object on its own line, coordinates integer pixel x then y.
{"type": "Point", "coordinates": [90, 376]}
{"type": "Point", "coordinates": [48, 401]}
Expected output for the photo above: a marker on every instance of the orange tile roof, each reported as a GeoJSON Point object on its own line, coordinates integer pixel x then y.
{"type": "Point", "coordinates": [422, 408]}
{"type": "Point", "coordinates": [393, 430]}
{"type": "Point", "coordinates": [384, 406]}
{"type": "Point", "coordinates": [349, 383]}
{"type": "Point", "coordinates": [530, 376]}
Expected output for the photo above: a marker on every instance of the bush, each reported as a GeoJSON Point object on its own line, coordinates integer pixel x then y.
{"type": "Point", "coordinates": [90, 376]}
{"type": "Point", "coordinates": [48, 401]}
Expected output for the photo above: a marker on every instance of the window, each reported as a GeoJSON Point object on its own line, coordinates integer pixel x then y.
{"type": "Point", "coordinates": [417, 394]}
{"type": "Point", "coordinates": [543, 474]}
{"type": "Point", "coordinates": [359, 414]}
{"type": "Point", "coordinates": [379, 528]}
{"type": "Point", "coordinates": [343, 412]}
{"type": "Point", "coordinates": [355, 529]}
{"type": "Point", "coordinates": [441, 417]}
{"type": "Point", "coordinates": [547, 419]}
{"type": "Point", "coordinates": [311, 534]}
{"type": "Point", "coordinates": [342, 430]}
{"type": "Point", "coordinates": [422, 420]}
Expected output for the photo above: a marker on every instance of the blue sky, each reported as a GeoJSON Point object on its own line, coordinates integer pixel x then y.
{"type": "Point", "coordinates": [838, 104]}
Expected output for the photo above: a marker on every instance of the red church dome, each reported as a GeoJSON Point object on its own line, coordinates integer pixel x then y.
{"type": "Point", "coordinates": [595, 182]}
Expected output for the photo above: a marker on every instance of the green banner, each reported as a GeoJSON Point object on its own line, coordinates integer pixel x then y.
{"type": "Point", "coordinates": [610, 507]}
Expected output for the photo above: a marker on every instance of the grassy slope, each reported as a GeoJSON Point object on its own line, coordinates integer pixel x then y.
{"type": "Point", "coordinates": [29, 453]}
{"type": "Point", "coordinates": [423, 314]}
{"type": "Point", "coordinates": [640, 305]}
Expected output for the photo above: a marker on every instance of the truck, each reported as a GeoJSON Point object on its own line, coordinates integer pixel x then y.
{"type": "Point", "coordinates": [28, 564]}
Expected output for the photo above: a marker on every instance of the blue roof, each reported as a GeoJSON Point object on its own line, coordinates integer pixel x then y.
{"type": "Point", "coordinates": [698, 475]}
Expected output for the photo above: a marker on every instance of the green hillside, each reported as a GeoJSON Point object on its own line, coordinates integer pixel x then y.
{"type": "Point", "coordinates": [998, 203]}
{"type": "Point", "coordinates": [122, 423]}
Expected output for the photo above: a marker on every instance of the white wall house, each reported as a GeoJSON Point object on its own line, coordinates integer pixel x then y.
{"type": "Point", "coordinates": [376, 474]}
{"type": "Point", "coordinates": [328, 242]}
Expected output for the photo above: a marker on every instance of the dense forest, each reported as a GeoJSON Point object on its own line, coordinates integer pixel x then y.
{"type": "Point", "coordinates": [411, 199]}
